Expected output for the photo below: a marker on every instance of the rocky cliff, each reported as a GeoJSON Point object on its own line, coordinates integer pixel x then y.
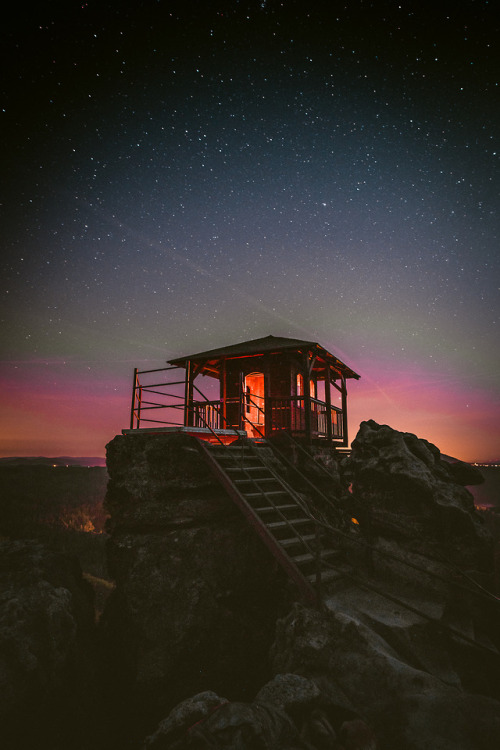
{"type": "Point", "coordinates": [204, 642]}
{"type": "Point", "coordinates": [403, 653]}
{"type": "Point", "coordinates": [197, 594]}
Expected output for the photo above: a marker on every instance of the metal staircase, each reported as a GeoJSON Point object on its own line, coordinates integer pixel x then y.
{"type": "Point", "coordinates": [277, 513]}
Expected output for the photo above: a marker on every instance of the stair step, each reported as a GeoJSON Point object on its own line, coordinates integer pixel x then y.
{"type": "Point", "coordinates": [296, 540]}
{"type": "Point", "coordinates": [246, 467]}
{"type": "Point", "coordinates": [309, 557]}
{"type": "Point", "coordinates": [255, 479]}
{"type": "Point", "coordinates": [291, 506]}
{"type": "Point", "coordinates": [264, 493]}
{"type": "Point", "coordinates": [278, 525]}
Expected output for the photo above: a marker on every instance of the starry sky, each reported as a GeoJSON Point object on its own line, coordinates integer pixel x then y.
{"type": "Point", "coordinates": [179, 176]}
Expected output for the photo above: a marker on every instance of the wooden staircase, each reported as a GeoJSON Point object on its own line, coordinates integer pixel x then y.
{"type": "Point", "coordinates": [277, 513]}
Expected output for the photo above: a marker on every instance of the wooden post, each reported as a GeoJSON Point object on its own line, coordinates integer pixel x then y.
{"type": "Point", "coordinates": [266, 369]}
{"type": "Point", "coordinates": [241, 416]}
{"type": "Point", "coordinates": [345, 440]}
{"type": "Point", "coordinates": [188, 396]}
{"type": "Point", "coordinates": [223, 395]}
{"type": "Point", "coordinates": [328, 402]}
{"type": "Point", "coordinates": [132, 408]}
{"type": "Point", "coordinates": [307, 399]}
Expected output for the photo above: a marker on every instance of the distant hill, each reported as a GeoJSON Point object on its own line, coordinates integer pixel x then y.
{"type": "Point", "coordinates": [53, 461]}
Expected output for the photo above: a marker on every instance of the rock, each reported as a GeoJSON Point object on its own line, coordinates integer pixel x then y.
{"type": "Point", "coordinates": [464, 473]}
{"type": "Point", "coordinates": [288, 713]}
{"type": "Point", "coordinates": [283, 716]}
{"type": "Point", "coordinates": [184, 716]}
{"type": "Point", "coordinates": [290, 692]}
{"type": "Point", "coordinates": [402, 489]}
{"type": "Point", "coordinates": [47, 661]}
{"type": "Point", "coordinates": [405, 705]}
{"type": "Point", "coordinates": [197, 593]}
{"type": "Point", "coordinates": [239, 726]}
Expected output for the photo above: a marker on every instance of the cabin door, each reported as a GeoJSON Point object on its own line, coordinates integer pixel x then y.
{"type": "Point", "coordinates": [253, 404]}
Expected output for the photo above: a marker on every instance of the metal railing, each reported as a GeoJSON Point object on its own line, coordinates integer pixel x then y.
{"type": "Point", "coordinates": [142, 395]}
{"type": "Point", "coordinates": [167, 399]}
{"type": "Point", "coordinates": [290, 414]}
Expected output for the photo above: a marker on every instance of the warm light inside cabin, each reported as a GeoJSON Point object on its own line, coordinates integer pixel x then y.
{"type": "Point", "coordinates": [254, 398]}
{"type": "Point", "coordinates": [300, 386]}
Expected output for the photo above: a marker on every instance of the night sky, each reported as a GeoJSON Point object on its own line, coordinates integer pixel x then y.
{"type": "Point", "coordinates": [179, 176]}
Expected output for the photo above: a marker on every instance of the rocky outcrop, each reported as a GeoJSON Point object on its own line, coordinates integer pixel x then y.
{"type": "Point", "coordinates": [403, 491]}
{"type": "Point", "coordinates": [289, 713]}
{"type": "Point", "coordinates": [410, 693]}
{"type": "Point", "coordinates": [197, 593]}
{"type": "Point", "coordinates": [399, 656]}
{"type": "Point", "coordinates": [47, 658]}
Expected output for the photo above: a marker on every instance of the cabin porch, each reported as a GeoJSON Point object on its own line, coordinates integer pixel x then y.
{"type": "Point", "coordinates": [254, 389]}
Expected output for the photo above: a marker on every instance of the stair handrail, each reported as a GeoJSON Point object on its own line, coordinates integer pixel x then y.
{"type": "Point", "coordinates": [268, 499]}
{"type": "Point", "coordinates": [247, 444]}
{"type": "Point", "coordinates": [307, 481]}
{"type": "Point", "coordinates": [332, 529]}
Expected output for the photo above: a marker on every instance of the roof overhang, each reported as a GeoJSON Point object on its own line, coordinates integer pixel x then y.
{"type": "Point", "coordinates": [209, 362]}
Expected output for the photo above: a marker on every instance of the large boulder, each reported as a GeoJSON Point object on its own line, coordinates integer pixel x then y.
{"type": "Point", "coordinates": [402, 489]}
{"type": "Point", "coordinates": [197, 593]}
{"type": "Point", "coordinates": [288, 713]}
{"type": "Point", "coordinates": [47, 659]}
{"type": "Point", "coordinates": [400, 677]}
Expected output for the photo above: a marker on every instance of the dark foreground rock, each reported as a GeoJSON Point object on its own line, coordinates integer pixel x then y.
{"type": "Point", "coordinates": [394, 669]}
{"type": "Point", "coordinates": [402, 490]}
{"type": "Point", "coordinates": [197, 594]}
{"type": "Point", "coordinates": [400, 655]}
{"type": "Point", "coordinates": [47, 658]}
{"type": "Point", "coordinates": [288, 713]}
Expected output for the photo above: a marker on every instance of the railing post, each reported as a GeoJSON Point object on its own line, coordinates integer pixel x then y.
{"type": "Point", "coordinates": [139, 405]}
{"type": "Point", "coordinates": [307, 399]}
{"type": "Point", "coordinates": [345, 437]}
{"type": "Point", "coordinates": [132, 408]}
{"type": "Point", "coordinates": [188, 396]}
{"type": "Point", "coordinates": [328, 401]}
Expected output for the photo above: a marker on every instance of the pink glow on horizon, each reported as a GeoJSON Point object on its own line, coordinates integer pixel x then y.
{"type": "Point", "coordinates": [462, 422]}
{"type": "Point", "coordinates": [61, 410]}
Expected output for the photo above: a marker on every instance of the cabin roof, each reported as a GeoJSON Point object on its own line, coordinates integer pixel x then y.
{"type": "Point", "coordinates": [265, 345]}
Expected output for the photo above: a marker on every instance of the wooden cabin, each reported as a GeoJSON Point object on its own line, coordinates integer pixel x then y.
{"type": "Point", "coordinates": [266, 385]}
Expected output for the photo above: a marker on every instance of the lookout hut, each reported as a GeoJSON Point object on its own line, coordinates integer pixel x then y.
{"type": "Point", "coordinates": [265, 386]}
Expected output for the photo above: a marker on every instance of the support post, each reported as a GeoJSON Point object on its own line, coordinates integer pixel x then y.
{"type": "Point", "coordinates": [345, 441]}
{"type": "Point", "coordinates": [132, 408]}
{"type": "Point", "coordinates": [266, 369]}
{"type": "Point", "coordinates": [307, 399]}
{"type": "Point", "coordinates": [188, 396]}
{"type": "Point", "coordinates": [328, 402]}
{"type": "Point", "coordinates": [241, 415]}
{"type": "Point", "coordinates": [223, 395]}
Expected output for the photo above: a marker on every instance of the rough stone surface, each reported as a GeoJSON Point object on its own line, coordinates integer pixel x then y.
{"type": "Point", "coordinates": [407, 706]}
{"type": "Point", "coordinates": [463, 473]}
{"type": "Point", "coordinates": [402, 489]}
{"type": "Point", "coordinates": [197, 593]}
{"type": "Point", "coordinates": [391, 663]}
{"type": "Point", "coordinates": [289, 713]}
{"type": "Point", "coordinates": [46, 654]}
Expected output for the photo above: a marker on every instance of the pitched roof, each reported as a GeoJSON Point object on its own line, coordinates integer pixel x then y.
{"type": "Point", "coordinates": [265, 345]}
